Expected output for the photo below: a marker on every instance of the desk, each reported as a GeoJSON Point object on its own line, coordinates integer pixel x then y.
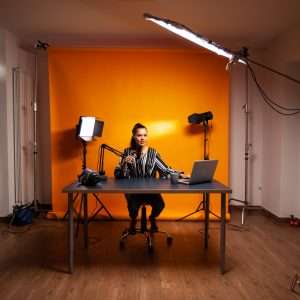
{"type": "Point", "coordinates": [145, 186]}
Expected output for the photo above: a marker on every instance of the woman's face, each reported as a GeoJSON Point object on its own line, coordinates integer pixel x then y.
{"type": "Point", "coordinates": [141, 136]}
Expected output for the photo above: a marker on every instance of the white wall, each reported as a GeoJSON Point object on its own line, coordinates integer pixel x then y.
{"type": "Point", "coordinates": [282, 145]}
{"type": "Point", "coordinates": [12, 54]}
{"type": "Point", "coordinates": [274, 165]}
{"type": "Point", "coordinates": [4, 195]}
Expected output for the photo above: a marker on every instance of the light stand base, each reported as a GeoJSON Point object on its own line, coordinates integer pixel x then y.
{"type": "Point", "coordinates": [37, 208]}
{"type": "Point", "coordinates": [245, 207]}
{"type": "Point", "coordinates": [201, 207]}
{"type": "Point", "coordinates": [295, 281]}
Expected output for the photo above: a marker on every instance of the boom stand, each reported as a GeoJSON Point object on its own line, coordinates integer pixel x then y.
{"type": "Point", "coordinates": [205, 199]}
{"type": "Point", "coordinates": [247, 152]}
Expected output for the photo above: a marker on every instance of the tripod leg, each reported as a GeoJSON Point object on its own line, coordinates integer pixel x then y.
{"type": "Point", "coordinates": [102, 207]}
{"type": "Point", "coordinates": [79, 216]}
{"type": "Point", "coordinates": [200, 207]}
{"type": "Point", "coordinates": [296, 280]}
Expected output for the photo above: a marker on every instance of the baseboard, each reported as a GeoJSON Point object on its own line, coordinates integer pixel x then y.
{"type": "Point", "coordinates": [255, 209]}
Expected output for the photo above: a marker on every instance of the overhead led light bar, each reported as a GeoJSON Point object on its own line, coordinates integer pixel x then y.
{"type": "Point", "coordinates": [188, 34]}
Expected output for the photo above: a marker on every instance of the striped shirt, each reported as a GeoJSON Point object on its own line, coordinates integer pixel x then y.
{"type": "Point", "coordinates": [146, 166]}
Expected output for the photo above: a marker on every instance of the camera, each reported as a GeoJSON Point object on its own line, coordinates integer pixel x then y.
{"type": "Point", "coordinates": [89, 177]}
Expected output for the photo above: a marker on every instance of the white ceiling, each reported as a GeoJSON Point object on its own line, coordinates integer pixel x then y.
{"type": "Point", "coordinates": [104, 23]}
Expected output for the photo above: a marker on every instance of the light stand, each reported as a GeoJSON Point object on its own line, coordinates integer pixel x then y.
{"type": "Point", "coordinates": [86, 130]}
{"type": "Point", "coordinates": [234, 57]}
{"type": "Point", "coordinates": [35, 203]}
{"type": "Point", "coordinates": [247, 152]}
{"type": "Point", "coordinates": [204, 201]}
{"type": "Point", "coordinates": [102, 206]}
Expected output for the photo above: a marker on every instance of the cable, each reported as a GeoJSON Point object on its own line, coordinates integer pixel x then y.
{"type": "Point", "coordinates": [28, 228]}
{"type": "Point", "coordinates": [272, 70]}
{"type": "Point", "coordinates": [264, 93]}
{"type": "Point", "coordinates": [267, 99]}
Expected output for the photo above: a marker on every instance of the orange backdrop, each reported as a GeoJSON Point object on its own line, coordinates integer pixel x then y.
{"type": "Point", "coordinates": [159, 88]}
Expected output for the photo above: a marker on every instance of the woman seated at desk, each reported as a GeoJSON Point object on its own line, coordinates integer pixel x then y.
{"type": "Point", "coordinates": [142, 161]}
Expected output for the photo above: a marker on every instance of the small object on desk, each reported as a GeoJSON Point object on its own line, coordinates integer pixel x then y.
{"type": "Point", "coordinates": [174, 177]}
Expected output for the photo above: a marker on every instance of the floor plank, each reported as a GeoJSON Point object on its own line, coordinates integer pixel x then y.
{"type": "Point", "coordinates": [260, 262]}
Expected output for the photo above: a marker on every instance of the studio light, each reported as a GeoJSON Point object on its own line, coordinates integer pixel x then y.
{"type": "Point", "coordinates": [188, 34]}
{"type": "Point", "coordinates": [199, 118]}
{"type": "Point", "coordinates": [88, 128]}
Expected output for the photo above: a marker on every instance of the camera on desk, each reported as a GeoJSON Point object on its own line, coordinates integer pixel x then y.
{"type": "Point", "coordinates": [89, 177]}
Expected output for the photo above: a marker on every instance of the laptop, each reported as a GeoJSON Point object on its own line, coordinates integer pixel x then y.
{"type": "Point", "coordinates": [203, 171]}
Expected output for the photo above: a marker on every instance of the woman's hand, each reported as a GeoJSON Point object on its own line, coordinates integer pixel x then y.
{"type": "Point", "coordinates": [129, 159]}
{"type": "Point", "coordinates": [185, 176]}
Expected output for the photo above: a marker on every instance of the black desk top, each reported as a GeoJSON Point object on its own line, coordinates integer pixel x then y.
{"type": "Point", "coordinates": [146, 186]}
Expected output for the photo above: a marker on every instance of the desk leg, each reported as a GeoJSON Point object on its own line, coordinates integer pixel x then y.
{"type": "Point", "coordinates": [206, 204]}
{"type": "Point", "coordinates": [86, 221]}
{"type": "Point", "coordinates": [223, 232]}
{"type": "Point", "coordinates": [70, 225]}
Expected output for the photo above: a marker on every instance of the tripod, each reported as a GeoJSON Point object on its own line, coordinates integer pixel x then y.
{"type": "Point", "coordinates": [205, 200]}
{"type": "Point", "coordinates": [102, 206]}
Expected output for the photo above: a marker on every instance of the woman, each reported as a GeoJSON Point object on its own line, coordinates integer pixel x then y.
{"type": "Point", "coordinates": [139, 160]}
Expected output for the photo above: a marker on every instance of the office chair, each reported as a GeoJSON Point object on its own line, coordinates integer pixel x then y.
{"type": "Point", "coordinates": [145, 231]}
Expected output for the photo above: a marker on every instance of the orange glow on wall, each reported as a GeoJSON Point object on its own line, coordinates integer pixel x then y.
{"type": "Point", "coordinates": [158, 88]}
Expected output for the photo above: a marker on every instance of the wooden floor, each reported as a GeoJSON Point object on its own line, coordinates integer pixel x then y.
{"type": "Point", "coordinates": [260, 262]}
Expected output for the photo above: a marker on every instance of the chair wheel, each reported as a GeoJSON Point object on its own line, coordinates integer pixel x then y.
{"type": "Point", "coordinates": [122, 245]}
{"type": "Point", "coordinates": [169, 240]}
{"type": "Point", "coordinates": [150, 249]}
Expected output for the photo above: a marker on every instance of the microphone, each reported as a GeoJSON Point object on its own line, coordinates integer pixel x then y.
{"type": "Point", "coordinates": [139, 151]}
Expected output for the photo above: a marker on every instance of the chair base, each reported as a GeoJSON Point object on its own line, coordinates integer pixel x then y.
{"type": "Point", "coordinates": [147, 234]}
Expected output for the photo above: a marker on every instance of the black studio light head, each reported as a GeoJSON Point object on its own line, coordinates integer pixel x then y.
{"type": "Point", "coordinates": [199, 118]}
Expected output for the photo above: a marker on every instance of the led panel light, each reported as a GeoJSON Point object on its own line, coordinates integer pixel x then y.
{"type": "Point", "coordinates": [188, 34]}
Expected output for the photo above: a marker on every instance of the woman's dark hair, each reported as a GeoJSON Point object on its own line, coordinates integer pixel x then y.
{"type": "Point", "coordinates": [137, 126]}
